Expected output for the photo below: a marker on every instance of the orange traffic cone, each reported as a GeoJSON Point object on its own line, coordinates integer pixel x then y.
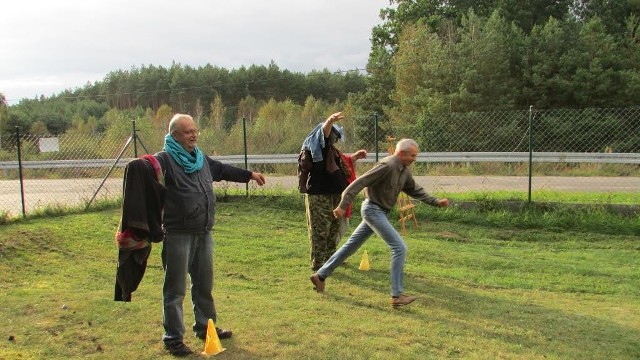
{"type": "Point", "coordinates": [212, 345]}
{"type": "Point", "coordinates": [364, 263]}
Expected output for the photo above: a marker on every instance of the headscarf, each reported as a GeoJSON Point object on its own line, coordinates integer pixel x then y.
{"type": "Point", "coordinates": [314, 142]}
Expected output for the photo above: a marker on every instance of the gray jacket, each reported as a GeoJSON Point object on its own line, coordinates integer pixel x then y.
{"type": "Point", "coordinates": [190, 202]}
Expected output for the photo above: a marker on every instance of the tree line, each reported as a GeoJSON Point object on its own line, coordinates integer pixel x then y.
{"type": "Point", "coordinates": [183, 88]}
{"type": "Point", "coordinates": [458, 56]}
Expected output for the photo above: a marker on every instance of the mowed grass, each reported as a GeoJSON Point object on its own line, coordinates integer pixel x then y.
{"type": "Point", "coordinates": [535, 284]}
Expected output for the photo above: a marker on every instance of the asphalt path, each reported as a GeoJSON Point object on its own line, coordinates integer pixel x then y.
{"type": "Point", "coordinates": [41, 193]}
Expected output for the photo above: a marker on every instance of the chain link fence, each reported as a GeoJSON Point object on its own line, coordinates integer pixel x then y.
{"type": "Point", "coordinates": [523, 153]}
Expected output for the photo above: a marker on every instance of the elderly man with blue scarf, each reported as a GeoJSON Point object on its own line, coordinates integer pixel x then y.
{"type": "Point", "coordinates": [187, 220]}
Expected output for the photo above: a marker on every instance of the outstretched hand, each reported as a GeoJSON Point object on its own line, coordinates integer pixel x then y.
{"type": "Point", "coordinates": [258, 178]}
{"type": "Point", "coordinates": [335, 117]}
{"type": "Point", "coordinates": [443, 202]}
{"type": "Point", "coordinates": [360, 154]}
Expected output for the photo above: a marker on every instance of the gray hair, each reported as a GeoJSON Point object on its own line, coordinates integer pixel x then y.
{"type": "Point", "coordinates": [406, 144]}
{"type": "Point", "coordinates": [175, 119]}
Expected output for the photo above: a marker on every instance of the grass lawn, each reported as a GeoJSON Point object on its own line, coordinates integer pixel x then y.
{"type": "Point", "coordinates": [552, 284]}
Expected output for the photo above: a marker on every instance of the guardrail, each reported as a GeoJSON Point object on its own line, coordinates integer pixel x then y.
{"type": "Point", "coordinates": [426, 157]}
{"type": "Point", "coordinates": [561, 157]}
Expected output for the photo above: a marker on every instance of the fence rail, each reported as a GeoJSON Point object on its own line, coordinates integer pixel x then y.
{"type": "Point", "coordinates": [423, 157]}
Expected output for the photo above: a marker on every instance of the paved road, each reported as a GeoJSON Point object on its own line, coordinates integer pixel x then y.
{"type": "Point", "coordinates": [40, 193]}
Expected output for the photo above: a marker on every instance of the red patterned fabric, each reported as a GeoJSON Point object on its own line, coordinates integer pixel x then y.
{"type": "Point", "coordinates": [348, 162]}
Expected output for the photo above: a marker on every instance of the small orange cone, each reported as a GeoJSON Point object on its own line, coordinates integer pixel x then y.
{"type": "Point", "coordinates": [364, 263]}
{"type": "Point", "coordinates": [212, 344]}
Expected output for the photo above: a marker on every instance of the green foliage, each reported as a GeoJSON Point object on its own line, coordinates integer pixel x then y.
{"type": "Point", "coordinates": [503, 54]}
{"type": "Point", "coordinates": [181, 89]}
{"type": "Point", "coordinates": [38, 128]}
{"type": "Point", "coordinates": [248, 108]}
{"type": "Point", "coordinates": [5, 217]}
{"type": "Point", "coordinates": [162, 117]}
{"type": "Point", "coordinates": [493, 211]}
{"type": "Point", "coordinates": [484, 64]}
{"type": "Point", "coordinates": [182, 86]}
{"type": "Point", "coordinates": [216, 116]}
{"type": "Point", "coordinates": [4, 114]}
{"type": "Point", "coordinates": [270, 125]}
{"type": "Point", "coordinates": [615, 15]}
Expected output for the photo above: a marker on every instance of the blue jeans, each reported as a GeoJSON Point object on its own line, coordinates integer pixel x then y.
{"type": "Point", "coordinates": [182, 254]}
{"type": "Point", "coordinates": [374, 219]}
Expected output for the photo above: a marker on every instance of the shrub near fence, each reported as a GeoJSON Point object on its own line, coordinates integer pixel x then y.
{"type": "Point", "coordinates": [594, 150]}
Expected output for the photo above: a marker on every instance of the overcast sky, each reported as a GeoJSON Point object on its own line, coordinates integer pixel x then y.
{"type": "Point", "coordinates": [47, 46]}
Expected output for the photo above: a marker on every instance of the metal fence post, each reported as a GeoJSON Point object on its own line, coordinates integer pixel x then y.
{"type": "Point", "coordinates": [20, 171]}
{"type": "Point", "coordinates": [244, 141]}
{"type": "Point", "coordinates": [530, 150]}
{"type": "Point", "coordinates": [133, 136]}
{"type": "Point", "coordinates": [375, 133]}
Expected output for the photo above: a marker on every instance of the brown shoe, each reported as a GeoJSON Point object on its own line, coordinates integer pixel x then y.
{"type": "Point", "coordinates": [402, 300]}
{"type": "Point", "coordinates": [317, 282]}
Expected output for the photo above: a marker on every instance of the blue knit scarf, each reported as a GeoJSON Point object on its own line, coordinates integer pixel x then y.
{"type": "Point", "coordinates": [189, 162]}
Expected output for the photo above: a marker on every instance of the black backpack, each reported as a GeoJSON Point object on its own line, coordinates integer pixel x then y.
{"type": "Point", "coordinates": [304, 166]}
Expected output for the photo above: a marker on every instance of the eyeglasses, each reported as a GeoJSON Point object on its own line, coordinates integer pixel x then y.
{"type": "Point", "coordinates": [191, 132]}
